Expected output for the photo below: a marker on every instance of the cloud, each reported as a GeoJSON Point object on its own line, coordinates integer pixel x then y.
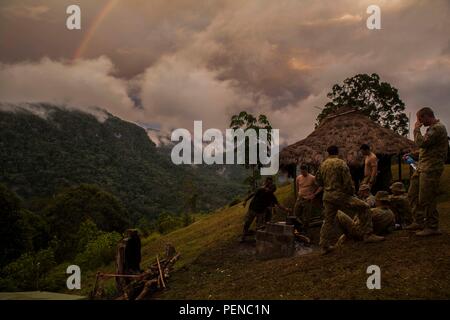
{"type": "Point", "coordinates": [181, 62]}
{"type": "Point", "coordinates": [84, 84]}
{"type": "Point", "coordinates": [34, 12]}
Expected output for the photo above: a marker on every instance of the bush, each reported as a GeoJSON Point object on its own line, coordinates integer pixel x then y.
{"type": "Point", "coordinates": [99, 252]}
{"type": "Point", "coordinates": [168, 222]}
{"type": "Point", "coordinates": [28, 272]}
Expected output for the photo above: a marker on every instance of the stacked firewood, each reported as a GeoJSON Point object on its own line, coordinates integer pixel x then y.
{"type": "Point", "coordinates": [143, 285]}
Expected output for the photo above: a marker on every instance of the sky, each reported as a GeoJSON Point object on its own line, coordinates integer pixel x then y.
{"type": "Point", "coordinates": [168, 63]}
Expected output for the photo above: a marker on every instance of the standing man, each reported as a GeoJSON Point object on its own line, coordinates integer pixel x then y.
{"type": "Point", "coordinates": [334, 176]}
{"type": "Point", "coordinates": [370, 166]}
{"type": "Point", "coordinates": [424, 185]}
{"type": "Point", "coordinates": [307, 191]}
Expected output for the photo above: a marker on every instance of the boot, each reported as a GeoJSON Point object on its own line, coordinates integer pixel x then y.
{"type": "Point", "coordinates": [414, 226]}
{"type": "Point", "coordinates": [428, 232]}
{"type": "Point", "coordinates": [371, 238]}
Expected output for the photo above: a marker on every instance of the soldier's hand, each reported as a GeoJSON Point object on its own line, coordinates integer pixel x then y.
{"type": "Point", "coordinates": [418, 125]}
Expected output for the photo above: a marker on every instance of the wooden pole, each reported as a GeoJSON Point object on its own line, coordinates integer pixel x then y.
{"type": "Point", "coordinates": [295, 178]}
{"type": "Point", "coordinates": [160, 272]}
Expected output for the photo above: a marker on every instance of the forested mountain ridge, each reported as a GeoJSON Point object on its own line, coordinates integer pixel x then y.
{"type": "Point", "coordinates": [50, 148]}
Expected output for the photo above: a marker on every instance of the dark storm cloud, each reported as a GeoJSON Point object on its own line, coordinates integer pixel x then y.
{"type": "Point", "coordinates": [192, 62]}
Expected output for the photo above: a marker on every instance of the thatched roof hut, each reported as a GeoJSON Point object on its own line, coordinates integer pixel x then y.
{"type": "Point", "coordinates": [348, 129]}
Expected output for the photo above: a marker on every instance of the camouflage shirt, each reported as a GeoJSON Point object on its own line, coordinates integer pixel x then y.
{"type": "Point", "coordinates": [400, 206]}
{"type": "Point", "coordinates": [383, 220]}
{"type": "Point", "coordinates": [370, 200]}
{"type": "Point", "coordinates": [433, 147]}
{"type": "Point", "coordinates": [334, 176]}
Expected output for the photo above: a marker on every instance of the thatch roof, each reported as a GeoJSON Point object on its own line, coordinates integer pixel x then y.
{"type": "Point", "coordinates": [348, 129]}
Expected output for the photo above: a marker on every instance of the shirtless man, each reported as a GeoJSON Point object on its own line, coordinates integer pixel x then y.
{"type": "Point", "coordinates": [307, 191]}
{"type": "Point", "coordinates": [370, 166]}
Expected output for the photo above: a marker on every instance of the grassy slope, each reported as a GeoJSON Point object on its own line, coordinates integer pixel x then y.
{"type": "Point", "coordinates": [215, 266]}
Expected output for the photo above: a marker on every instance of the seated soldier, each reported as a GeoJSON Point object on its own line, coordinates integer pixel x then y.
{"type": "Point", "coordinates": [365, 195]}
{"type": "Point", "coordinates": [383, 219]}
{"type": "Point", "coordinates": [399, 204]}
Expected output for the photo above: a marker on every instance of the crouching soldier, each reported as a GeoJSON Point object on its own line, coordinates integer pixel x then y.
{"type": "Point", "coordinates": [399, 204]}
{"type": "Point", "coordinates": [383, 220]}
{"type": "Point", "coordinates": [263, 199]}
{"type": "Point", "coordinates": [334, 176]}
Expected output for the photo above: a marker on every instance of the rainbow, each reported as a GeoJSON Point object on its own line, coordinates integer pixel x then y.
{"type": "Point", "coordinates": [93, 28]}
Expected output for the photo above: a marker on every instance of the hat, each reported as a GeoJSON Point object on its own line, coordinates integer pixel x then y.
{"type": "Point", "coordinates": [364, 187]}
{"type": "Point", "coordinates": [382, 196]}
{"type": "Point", "coordinates": [398, 187]}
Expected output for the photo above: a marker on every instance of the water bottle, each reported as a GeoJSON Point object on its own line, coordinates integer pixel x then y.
{"type": "Point", "coordinates": [409, 160]}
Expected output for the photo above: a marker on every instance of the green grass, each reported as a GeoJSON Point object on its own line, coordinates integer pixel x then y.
{"type": "Point", "coordinates": [214, 265]}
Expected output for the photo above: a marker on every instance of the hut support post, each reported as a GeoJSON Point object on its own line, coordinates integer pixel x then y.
{"type": "Point", "coordinates": [400, 167]}
{"type": "Point", "coordinates": [295, 179]}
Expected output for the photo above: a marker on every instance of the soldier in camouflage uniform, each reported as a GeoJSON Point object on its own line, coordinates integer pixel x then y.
{"type": "Point", "coordinates": [399, 204]}
{"type": "Point", "coordinates": [424, 184]}
{"type": "Point", "coordinates": [383, 219]}
{"type": "Point", "coordinates": [365, 195]}
{"type": "Point", "coordinates": [335, 179]}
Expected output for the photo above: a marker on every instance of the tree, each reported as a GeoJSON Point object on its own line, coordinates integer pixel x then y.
{"type": "Point", "coordinates": [67, 212]}
{"type": "Point", "coordinates": [378, 100]}
{"type": "Point", "coordinates": [247, 121]}
{"type": "Point", "coordinates": [13, 237]}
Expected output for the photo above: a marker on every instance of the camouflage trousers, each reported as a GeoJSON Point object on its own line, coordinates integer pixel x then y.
{"type": "Point", "coordinates": [302, 210]}
{"type": "Point", "coordinates": [382, 220]}
{"type": "Point", "coordinates": [348, 225]}
{"type": "Point", "coordinates": [250, 216]}
{"type": "Point", "coordinates": [366, 180]}
{"type": "Point", "coordinates": [333, 203]}
{"type": "Point", "coordinates": [422, 194]}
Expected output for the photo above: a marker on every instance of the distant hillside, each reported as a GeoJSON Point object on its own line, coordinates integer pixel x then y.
{"type": "Point", "coordinates": [50, 148]}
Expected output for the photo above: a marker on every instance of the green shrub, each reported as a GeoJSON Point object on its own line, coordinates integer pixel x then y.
{"type": "Point", "coordinates": [99, 252]}
{"type": "Point", "coordinates": [28, 272]}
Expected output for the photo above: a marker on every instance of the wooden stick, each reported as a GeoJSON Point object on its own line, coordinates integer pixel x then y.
{"type": "Point", "coordinates": [94, 292]}
{"type": "Point", "coordinates": [146, 289]}
{"type": "Point", "coordinates": [160, 272]}
{"type": "Point", "coordinates": [132, 276]}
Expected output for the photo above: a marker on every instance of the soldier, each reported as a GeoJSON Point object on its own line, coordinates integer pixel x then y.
{"type": "Point", "coordinates": [424, 186]}
{"type": "Point", "coordinates": [383, 219]}
{"type": "Point", "coordinates": [334, 176]}
{"type": "Point", "coordinates": [263, 198]}
{"type": "Point", "coordinates": [365, 195]}
{"type": "Point", "coordinates": [399, 204]}
{"type": "Point", "coordinates": [370, 166]}
{"type": "Point", "coordinates": [307, 191]}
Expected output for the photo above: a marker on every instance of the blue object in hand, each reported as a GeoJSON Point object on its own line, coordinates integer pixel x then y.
{"type": "Point", "coordinates": [409, 160]}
